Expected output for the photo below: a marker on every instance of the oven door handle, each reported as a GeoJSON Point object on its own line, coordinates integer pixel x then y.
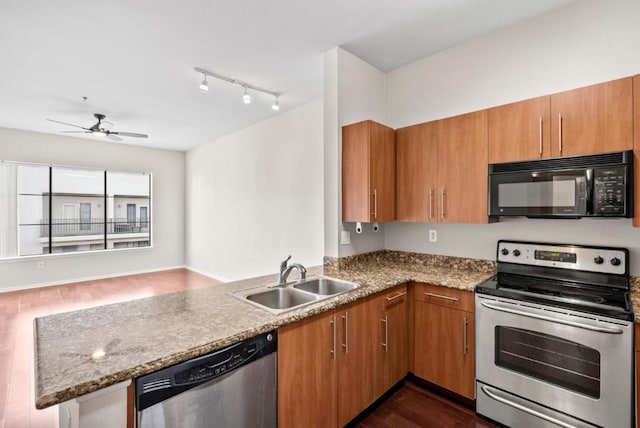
{"type": "Point", "coordinates": [525, 409]}
{"type": "Point", "coordinates": [551, 319]}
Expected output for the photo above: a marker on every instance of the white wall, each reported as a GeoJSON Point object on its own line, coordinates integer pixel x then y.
{"type": "Point", "coordinates": [584, 43]}
{"type": "Point", "coordinates": [255, 196]}
{"type": "Point", "coordinates": [168, 172]}
{"type": "Point", "coordinates": [353, 91]}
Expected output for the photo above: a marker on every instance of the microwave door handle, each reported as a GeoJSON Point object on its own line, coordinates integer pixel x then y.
{"type": "Point", "coordinates": [525, 313]}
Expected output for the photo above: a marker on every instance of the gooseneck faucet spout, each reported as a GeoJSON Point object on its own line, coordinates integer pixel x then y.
{"type": "Point", "coordinates": [286, 270]}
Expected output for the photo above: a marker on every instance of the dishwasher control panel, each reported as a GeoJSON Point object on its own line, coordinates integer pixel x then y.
{"type": "Point", "coordinates": [212, 369]}
{"type": "Point", "coordinates": [170, 381]}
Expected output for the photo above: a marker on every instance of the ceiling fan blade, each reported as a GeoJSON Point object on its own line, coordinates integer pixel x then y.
{"type": "Point", "coordinates": [75, 132]}
{"type": "Point", "coordinates": [68, 124]}
{"type": "Point", "coordinates": [113, 137]}
{"type": "Point", "coordinates": [130, 134]}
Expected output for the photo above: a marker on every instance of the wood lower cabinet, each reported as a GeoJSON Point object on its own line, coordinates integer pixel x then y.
{"type": "Point", "coordinates": [395, 341]}
{"type": "Point", "coordinates": [333, 366]}
{"type": "Point", "coordinates": [308, 373]}
{"type": "Point", "coordinates": [358, 367]}
{"type": "Point", "coordinates": [444, 338]}
{"type": "Point", "coordinates": [520, 131]}
{"type": "Point", "coordinates": [368, 172]}
{"type": "Point", "coordinates": [593, 119]}
{"type": "Point", "coordinates": [637, 342]}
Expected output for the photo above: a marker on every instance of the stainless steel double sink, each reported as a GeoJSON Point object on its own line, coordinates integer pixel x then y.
{"type": "Point", "coordinates": [278, 299]}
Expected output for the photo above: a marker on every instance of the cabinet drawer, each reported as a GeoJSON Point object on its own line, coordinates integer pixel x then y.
{"type": "Point", "coordinates": [394, 296]}
{"type": "Point", "coordinates": [443, 296]}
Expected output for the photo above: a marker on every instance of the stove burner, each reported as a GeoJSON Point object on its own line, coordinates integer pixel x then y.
{"type": "Point", "coordinates": [585, 297]}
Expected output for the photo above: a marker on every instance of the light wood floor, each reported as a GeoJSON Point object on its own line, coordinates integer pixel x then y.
{"type": "Point", "coordinates": [19, 308]}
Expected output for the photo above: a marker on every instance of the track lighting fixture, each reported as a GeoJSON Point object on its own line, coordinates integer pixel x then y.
{"type": "Point", "coordinates": [246, 97]}
{"type": "Point", "coordinates": [204, 85]}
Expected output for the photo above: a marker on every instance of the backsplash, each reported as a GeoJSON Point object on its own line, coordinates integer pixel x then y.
{"type": "Point", "coordinates": [411, 258]}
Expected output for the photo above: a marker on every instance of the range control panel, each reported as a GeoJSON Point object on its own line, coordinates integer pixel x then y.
{"type": "Point", "coordinates": [578, 257]}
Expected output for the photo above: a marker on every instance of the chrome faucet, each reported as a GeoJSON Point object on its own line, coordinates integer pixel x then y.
{"type": "Point", "coordinates": [286, 270]}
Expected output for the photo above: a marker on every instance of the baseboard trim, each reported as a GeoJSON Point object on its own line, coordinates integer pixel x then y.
{"type": "Point", "coordinates": [209, 274]}
{"type": "Point", "coordinates": [90, 278]}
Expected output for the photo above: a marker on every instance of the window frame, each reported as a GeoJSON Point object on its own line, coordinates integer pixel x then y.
{"type": "Point", "coordinates": [49, 195]}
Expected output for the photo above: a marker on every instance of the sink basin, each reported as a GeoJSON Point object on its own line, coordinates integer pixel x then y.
{"type": "Point", "coordinates": [326, 286]}
{"type": "Point", "coordinates": [281, 298]}
{"type": "Point", "coordinates": [278, 299]}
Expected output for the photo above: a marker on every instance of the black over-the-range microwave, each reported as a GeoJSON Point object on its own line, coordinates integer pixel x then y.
{"type": "Point", "coordinates": [598, 185]}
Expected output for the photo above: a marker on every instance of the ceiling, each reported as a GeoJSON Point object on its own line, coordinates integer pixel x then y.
{"type": "Point", "coordinates": [134, 60]}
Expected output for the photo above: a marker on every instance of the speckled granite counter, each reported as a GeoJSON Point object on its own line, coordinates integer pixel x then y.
{"type": "Point", "coordinates": [142, 336]}
{"type": "Point", "coordinates": [635, 296]}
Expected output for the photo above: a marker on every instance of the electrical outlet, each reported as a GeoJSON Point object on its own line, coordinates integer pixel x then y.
{"type": "Point", "coordinates": [345, 237]}
{"type": "Point", "coordinates": [433, 235]}
{"type": "Point", "coordinates": [41, 265]}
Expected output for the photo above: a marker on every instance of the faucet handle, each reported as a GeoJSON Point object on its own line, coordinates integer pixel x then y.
{"type": "Point", "coordinates": [283, 264]}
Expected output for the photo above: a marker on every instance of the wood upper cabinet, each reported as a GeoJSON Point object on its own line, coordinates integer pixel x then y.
{"type": "Point", "coordinates": [593, 119]}
{"type": "Point", "coordinates": [358, 367]}
{"type": "Point", "coordinates": [368, 173]}
{"type": "Point", "coordinates": [462, 168]}
{"type": "Point", "coordinates": [636, 149]}
{"type": "Point", "coordinates": [520, 131]}
{"type": "Point", "coordinates": [307, 373]}
{"type": "Point", "coordinates": [417, 173]}
{"type": "Point", "coordinates": [444, 339]}
{"type": "Point", "coordinates": [394, 334]}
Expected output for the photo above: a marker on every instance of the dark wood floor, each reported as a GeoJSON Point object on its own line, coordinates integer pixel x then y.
{"type": "Point", "coordinates": [413, 406]}
{"type": "Point", "coordinates": [19, 308]}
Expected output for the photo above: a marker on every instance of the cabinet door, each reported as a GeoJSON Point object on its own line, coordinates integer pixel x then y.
{"type": "Point", "coordinates": [462, 168]}
{"type": "Point", "coordinates": [355, 172]}
{"type": "Point", "coordinates": [593, 119]}
{"type": "Point", "coordinates": [382, 172]}
{"type": "Point", "coordinates": [416, 172]}
{"type": "Point", "coordinates": [368, 172]}
{"type": "Point", "coordinates": [636, 149]}
{"type": "Point", "coordinates": [520, 131]}
{"type": "Point", "coordinates": [307, 373]}
{"type": "Point", "coordinates": [394, 336]}
{"type": "Point", "coordinates": [358, 367]}
{"type": "Point", "coordinates": [444, 347]}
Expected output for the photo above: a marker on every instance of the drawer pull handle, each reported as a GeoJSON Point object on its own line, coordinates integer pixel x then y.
{"type": "Point", "coordinates": [397, 296]}
{"type": "Point", "coordinates": [440, 296]}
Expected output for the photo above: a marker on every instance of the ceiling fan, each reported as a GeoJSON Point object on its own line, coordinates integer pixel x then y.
{"type": "Point", "coordinates": [99, 129]}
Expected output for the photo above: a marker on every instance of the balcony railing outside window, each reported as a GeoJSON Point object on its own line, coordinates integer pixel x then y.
{"type": "Point", "coordinates": [95, 226]}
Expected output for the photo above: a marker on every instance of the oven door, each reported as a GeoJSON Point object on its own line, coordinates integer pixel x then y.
{"type": "Point", "coordinates": [574, 364]}
{"type": "Point", "coordinates": [541, 194]}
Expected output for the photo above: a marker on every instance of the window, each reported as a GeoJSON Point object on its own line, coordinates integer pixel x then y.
{"type": "Point", "coordinates": [49, 209]}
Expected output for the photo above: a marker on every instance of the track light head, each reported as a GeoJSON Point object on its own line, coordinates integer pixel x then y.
{"type": "Point", "coordinates": [246, 98]}
{"type": "Point", "coordinates": [276, 105]}
{"type": "Point", "coordinates": [204, 85]}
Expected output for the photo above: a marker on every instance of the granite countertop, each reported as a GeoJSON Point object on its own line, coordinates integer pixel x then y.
{"type": "Point", "coordinates": [141, 336]}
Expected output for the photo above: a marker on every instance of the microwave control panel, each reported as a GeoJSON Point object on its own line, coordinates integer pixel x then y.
{"type": "Point", "coordinates": [609, 191]}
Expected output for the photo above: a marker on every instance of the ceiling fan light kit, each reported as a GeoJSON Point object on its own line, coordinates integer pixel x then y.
{"type": "Point", "coordinates": [246, 97]}
{"type": "Point", "coordinates": [99, 130]}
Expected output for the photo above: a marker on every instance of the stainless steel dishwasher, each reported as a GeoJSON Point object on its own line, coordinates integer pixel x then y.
{"type": "Point", "coordinates": [231, 387]}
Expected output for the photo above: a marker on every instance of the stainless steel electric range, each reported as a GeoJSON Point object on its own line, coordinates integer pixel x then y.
{"type": "Point", "coordinates": [554, 337]}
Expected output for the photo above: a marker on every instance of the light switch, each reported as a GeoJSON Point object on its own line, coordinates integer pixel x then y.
{"type": "Point", "coordinates": [345, 237]}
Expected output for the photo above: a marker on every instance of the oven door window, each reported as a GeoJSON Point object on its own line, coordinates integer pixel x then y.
{"type": "Point", "coordinates": [550, 359]}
